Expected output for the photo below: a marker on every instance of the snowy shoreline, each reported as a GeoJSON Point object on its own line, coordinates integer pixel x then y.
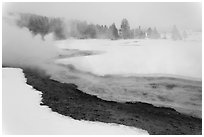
{"type": "Point", "coordinates": [89, 68]}
{"type": "Point", "coordinates": [147, 117]}
{"type": "Point", "coordinates": [22, 113]}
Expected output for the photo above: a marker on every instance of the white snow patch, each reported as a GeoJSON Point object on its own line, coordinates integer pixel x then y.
{"type": "Point", "coordinates": [138, 57]}
{"type": "Point", "coordinates": [22, 113]}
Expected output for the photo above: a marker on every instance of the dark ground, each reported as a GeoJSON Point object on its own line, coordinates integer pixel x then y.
{"type": "Point", "coordinates": [67, 100]}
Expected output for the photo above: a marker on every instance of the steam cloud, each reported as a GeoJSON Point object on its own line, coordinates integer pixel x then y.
{"type": "Point", "coordinates": [21, 49]}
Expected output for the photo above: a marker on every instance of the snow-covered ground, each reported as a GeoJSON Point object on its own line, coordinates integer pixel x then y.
{"type": "Point", "coordinates": [22, 113]}
{"type": "Point", "coordinates": [138, 57]}
{"type": "Point", "coordinates": [145, 57]}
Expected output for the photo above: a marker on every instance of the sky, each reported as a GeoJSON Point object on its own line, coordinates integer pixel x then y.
{"type": "Point", "coordinates": [185, 15]}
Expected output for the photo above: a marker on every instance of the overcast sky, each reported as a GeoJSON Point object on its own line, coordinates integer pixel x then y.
{"type": "Point", "coordinates": [160, 15]}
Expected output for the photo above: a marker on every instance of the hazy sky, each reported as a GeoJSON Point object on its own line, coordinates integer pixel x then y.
{"type": "Point", "coordinates": [160, 15]}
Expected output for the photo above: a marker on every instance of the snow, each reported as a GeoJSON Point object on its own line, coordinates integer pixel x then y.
{"type": "Point", "coordinates": [22, 113]}
{"type": "Point", "coordinates": [138, 57]}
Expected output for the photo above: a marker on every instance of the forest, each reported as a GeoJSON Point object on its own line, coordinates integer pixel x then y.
{"type": "Point", "coordinates": [63, 29]}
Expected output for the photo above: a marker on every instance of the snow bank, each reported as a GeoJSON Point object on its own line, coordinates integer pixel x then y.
{"type": "Point", "coordinates": [22, 113]}
{"type": "Point", "coordinates": [138, 57]}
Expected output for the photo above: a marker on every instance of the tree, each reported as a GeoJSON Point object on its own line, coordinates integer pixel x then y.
{"type": "Point", "coordinates": [149, 32]}
{"type": "Point", "coordinates": [125, 29]}
{"type": "Point", "coordinates": [90, 31]}
{"type": "Point", "coordinates": [57, 26]}
{"type": "Point", "coordinates": [42, 25]}
{"type": "Point", "coordinates": [113, 32]}
{"type": "Point", "coordinates": [175, 34]}
{"type": "Point", "coordinates": [139, 33]}
{"type": "Point", "coordinates": [36, 24]}
{"type": "Point", "coordinates": [132, 35]}
{"type": "Point", "coordinates": [81, 29]}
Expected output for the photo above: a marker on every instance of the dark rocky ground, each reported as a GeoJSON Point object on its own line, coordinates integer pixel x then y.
{"type": "Point", "coordinates": [67, 100]}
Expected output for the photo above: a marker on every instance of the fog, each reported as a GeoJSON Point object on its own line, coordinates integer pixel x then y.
{"type": "Point", "coordinates": [110, 74]}
{"type": "Point", "coordinates": [121, 57]}
{"type": "Point", "coordinates": [22, 49]}
{"type": "Point", "coordinates": [131, 57]}
{"type": "Point", "coordinates": [186, 15]}
{"type": "Point", "coordinates": [126, 69]}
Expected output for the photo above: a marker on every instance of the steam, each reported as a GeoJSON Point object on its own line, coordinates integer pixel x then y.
{"type": "Point", "coordinates": [21, 49]}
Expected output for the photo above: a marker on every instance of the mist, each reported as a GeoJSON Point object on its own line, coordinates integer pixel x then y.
{"type": "Point", "coordinates": [22, 49]}
{"type": "Point", "coordinates": [157, 14]}
{"type": "Point", "coordinates": [35, 46]}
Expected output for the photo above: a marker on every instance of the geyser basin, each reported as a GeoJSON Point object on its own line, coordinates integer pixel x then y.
{"type": "Point", "coordinates": [129, 72]}
{"type": "Point", "coordinates": [164, 57]}
{"type": "Point", "coordinates": [67, 100]}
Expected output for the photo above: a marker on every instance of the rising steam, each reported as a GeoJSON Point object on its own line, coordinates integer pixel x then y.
{"type": "Point", "coordinates": [21, 49]}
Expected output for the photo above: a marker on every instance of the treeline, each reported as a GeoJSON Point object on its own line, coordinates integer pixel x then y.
{"type": "Point", "coordinates": [42, 25]}
{"type": "Point", "coordinates": [63, 29]}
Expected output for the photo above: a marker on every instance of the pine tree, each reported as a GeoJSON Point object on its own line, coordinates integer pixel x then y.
{"type": "Point", "coordinates": [125, 29]}
{"type": "Point", "coordinates": [113, 32]}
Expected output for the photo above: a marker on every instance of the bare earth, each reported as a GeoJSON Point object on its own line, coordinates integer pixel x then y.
{"type": "Point", "coordinates": [68, 100]}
